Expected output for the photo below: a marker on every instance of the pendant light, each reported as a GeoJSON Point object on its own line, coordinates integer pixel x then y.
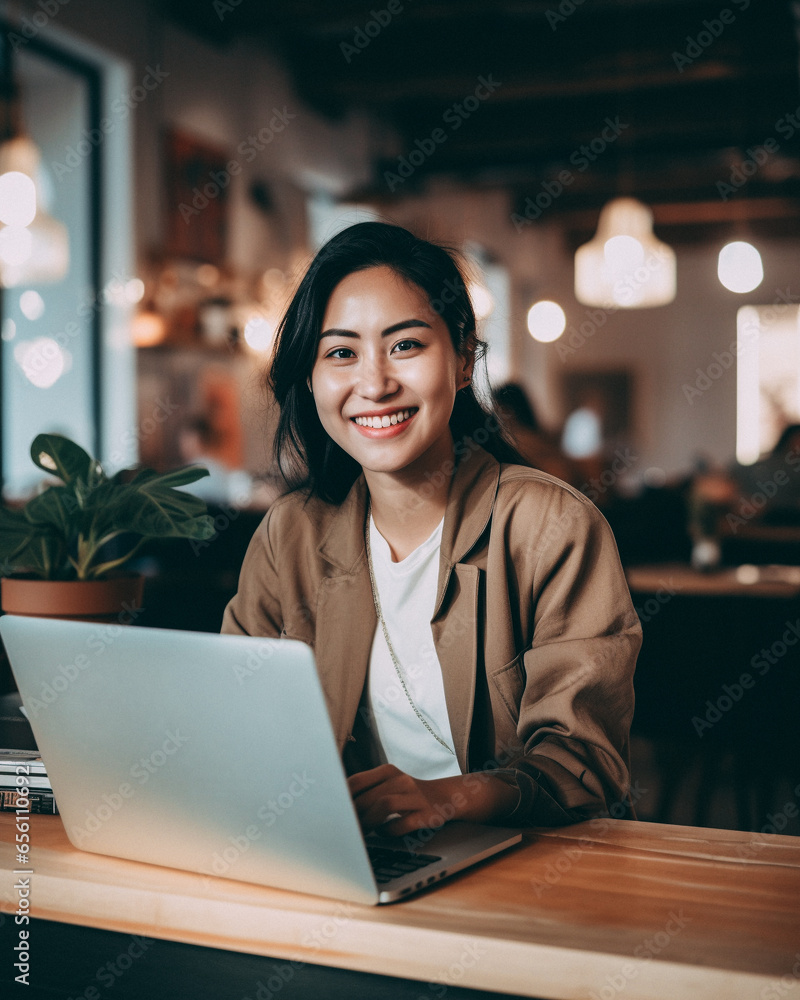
{"type": "Point", "coordinates": [34, 247]}
{"type": "Point", "coordinates": [624, 266]}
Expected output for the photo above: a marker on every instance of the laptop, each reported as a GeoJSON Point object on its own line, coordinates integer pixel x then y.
{"type": "Point", "coordinates": [215, 754]}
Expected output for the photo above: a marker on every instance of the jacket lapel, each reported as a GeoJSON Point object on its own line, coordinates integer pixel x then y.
{"type": "Point", "coordinates": [345, 613]}
{"type": "Point", "coordinates": [456, 641]}
{"type": "Point", "coordinates": [455, 620]}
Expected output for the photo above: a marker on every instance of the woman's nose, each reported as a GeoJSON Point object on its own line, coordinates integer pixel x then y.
{"type": "Point", "coordinates": [376, 380]}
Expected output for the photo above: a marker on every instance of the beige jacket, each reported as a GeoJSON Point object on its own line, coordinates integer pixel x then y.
{"type": "Point", "coordinates": [534, 629]}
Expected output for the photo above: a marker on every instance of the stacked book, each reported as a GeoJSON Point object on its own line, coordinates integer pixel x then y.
{"type": "Point", "coordinates": [20, 759]}
{"type": "Point", "coordinates": [16, 765]}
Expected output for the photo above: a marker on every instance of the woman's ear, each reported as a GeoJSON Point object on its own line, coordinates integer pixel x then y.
{"type": "Point", "coordinates": [467, 358]}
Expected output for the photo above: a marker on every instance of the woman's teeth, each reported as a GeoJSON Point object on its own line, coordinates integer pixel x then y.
{"type": "Point", "coordinates": [385, 421]}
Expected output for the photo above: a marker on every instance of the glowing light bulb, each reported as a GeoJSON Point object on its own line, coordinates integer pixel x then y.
{"type": "Point", "coordinates": [258, 333]}
{"type": "Point", "coordinates": [17, 199]}
{"type": "Point", "coordinates": [31, 304]}
{"type": "Point", "coordinates": [482, 301]}
{"type": "Point", "coordinates": [16, 245]}
{"type": "Point", "coordinates": [42, 360]}
{"type": "Point", "coordinates": [623, 253]}
{"type": "Point", "coordinates": [739, 267]}
{"type": "Point", "coordinates": [134, 290]}
{"type": "Point", "coordinates": [546, 321]}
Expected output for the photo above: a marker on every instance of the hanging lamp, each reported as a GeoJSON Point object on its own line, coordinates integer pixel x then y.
{"type": "Point", "coordinates": [624, 266]}
{"type": "Point", "coordinates": [34, 247]}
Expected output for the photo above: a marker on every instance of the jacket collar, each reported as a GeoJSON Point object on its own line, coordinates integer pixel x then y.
{"type": "Point", "coordinates": [469, 507]}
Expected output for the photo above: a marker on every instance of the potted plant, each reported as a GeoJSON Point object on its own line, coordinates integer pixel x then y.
{"type": "Point", "coordinates": [56, 552]}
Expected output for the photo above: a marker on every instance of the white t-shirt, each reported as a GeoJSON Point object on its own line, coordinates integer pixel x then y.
{"type": "Point", "coordinates": [407, 591]}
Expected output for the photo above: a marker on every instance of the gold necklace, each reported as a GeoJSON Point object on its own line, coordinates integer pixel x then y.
{"type": "Point", "coordinates": [379, 613]}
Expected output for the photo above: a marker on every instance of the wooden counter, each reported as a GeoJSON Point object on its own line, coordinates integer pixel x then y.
{"type": "Point", "coordinates": [669, 579]}
{"type": "Point", "coordinates": [605, 906]}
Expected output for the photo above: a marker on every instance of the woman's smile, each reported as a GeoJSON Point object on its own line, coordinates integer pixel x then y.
{"type": "Point", "coordinates": [385, 421]}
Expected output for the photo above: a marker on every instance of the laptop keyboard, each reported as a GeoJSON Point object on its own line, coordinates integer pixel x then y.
{"type": "Point", "coordinates": [388, 863]}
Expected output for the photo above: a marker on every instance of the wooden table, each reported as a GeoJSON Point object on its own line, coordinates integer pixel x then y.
{"type": "Point", "coordinates": [668, 579]}
{"type": "Point", "coordinates": [598, 909]}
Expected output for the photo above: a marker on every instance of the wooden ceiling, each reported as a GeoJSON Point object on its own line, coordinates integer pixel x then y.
{"type": "Point", "coordinates": [700, 91]}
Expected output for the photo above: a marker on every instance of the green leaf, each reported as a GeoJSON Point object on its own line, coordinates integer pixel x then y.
{"type": "Point", "coordinates": [147, 506]}
{"type": "Point", "coordinates": [59, 456]}
{"type": "Point", "coordinates": [15, 533]}
{"type": "Point", "coordinates": [46, 556]}
{"type": "Point", "coordinates": [55, 506]}
{"type": "Point", "coordinates": [29, 547]}
{"type": "Point", "coordinates": [182, 477]}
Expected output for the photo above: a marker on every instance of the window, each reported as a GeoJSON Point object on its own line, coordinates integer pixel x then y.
{"type": "Point", "coordinates": [59, 339]}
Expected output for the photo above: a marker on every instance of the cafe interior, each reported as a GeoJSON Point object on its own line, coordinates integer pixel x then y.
{"type": "Point", "coordinates": [622, 178]}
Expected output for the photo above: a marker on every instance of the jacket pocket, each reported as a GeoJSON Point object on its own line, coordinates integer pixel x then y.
{"type": "Point", "coordinates": [509, 682]}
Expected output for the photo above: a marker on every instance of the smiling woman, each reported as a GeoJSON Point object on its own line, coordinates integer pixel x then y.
{"type": "Point", "coordinates": [498, 687]}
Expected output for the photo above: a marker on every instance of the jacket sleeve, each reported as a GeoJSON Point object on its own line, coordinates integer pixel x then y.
{"type": "Point", "coordinates": [256, 607]}
{"type": "Point", "coordinates": [576, 705]}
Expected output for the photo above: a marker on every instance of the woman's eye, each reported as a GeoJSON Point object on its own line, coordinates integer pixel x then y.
{"type": "Point", "coordinates": [340, 354]}
{"type": "Point", "coordinates": [406, 345]}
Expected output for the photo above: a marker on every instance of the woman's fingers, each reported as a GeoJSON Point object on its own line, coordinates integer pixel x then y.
{"type": "Point", "coordinates": [385, 797]}
{"type": "Point", "coordinates": [364, 780]}
{"type": "Point", "coordinates": [378, 809]}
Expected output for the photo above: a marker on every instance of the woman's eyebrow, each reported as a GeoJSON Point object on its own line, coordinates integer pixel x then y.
{"type": "Point", "coordinates": [404, 324]}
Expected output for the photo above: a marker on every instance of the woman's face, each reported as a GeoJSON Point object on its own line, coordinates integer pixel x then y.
{"type": "Point", "coordinates": [386, 374]}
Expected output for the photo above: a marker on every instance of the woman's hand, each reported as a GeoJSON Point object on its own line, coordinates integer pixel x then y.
{"type": "Point", "coordinates": [390, 800]}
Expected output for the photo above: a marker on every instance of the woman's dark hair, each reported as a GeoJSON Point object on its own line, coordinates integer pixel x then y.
{"type": "Point", "coordinates": [512, 398]}
{"type": "Point", "coordinates": [307, 457]}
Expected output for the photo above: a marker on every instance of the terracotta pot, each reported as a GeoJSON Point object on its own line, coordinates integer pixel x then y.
{"type": "Point", "coordinates": [114, 599]}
